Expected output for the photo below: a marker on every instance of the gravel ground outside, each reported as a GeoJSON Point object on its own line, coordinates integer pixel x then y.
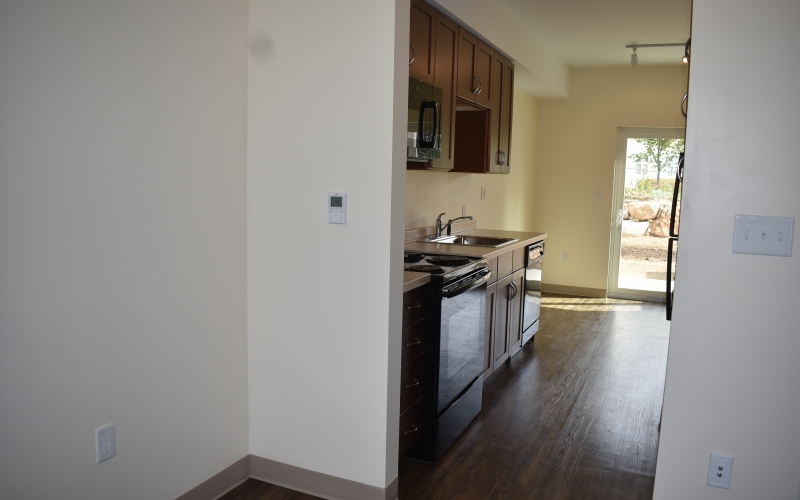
{"type": "Point", "coordinates": [643, 257]}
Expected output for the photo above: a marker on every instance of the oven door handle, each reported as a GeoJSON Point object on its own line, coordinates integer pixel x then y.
{"type": "Point", "coordinates": [450, 293]}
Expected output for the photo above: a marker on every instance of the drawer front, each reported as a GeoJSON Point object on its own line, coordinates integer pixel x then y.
{"type": "Point", "coordinates": [414, 306]}
{"type": "Point", "coordinates": [411, 382]}
{"type": "Point", "coordinates": [519, 259]}
{"type": "Point", "coordinates": [410, 427]}
{"type": "Point", "coordinates": [504, 265]}
{"type": "Point", "coordinates": [413, 342]}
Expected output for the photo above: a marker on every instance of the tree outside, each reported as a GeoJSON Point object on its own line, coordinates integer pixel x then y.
{"type": "Point", "coordinates": [658, 154]}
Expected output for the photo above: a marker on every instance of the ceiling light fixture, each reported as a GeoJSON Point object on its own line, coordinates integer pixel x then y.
{"type": "Point", "coordinates": [634, 46]}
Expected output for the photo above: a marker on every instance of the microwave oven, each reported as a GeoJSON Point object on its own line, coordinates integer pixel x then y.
{"type": "Point", "coordinates": [424, 121]}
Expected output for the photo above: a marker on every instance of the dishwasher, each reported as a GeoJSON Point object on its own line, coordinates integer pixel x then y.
{"type": "Point", "coordinates": [533, 291]}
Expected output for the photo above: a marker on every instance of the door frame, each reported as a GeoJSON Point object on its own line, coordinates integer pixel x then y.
{"type": "Point", "coordinates": [617, 200]}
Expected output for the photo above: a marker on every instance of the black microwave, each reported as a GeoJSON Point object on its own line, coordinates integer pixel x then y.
{"type": "Point", "coordinates": [424, 121]}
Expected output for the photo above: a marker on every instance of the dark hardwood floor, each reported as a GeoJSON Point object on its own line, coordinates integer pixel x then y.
{"type": "Point", "coordinates": [573, 416]}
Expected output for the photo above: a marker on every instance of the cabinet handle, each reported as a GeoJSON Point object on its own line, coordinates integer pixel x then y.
{"type": "Point", "coordinates": [415, 429]}
{"type": "Point", "coordinates": [413, 383]}
{"type": "Point", "coordinates": [501, 157]}
{"type": "Point", "coordinates": [413, 54]}
{"type": "Point", "coordinates": [513, 289]}
{"type": "Point", "coordinates": [476, 90]}
{"type": "Point", "coordinates": [413, 342]}
{"type": "Point", "coordinates": [480, 86]}
{"type": "Point", "coordinates": [414, 306]}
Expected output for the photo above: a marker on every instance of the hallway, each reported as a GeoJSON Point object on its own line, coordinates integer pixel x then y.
{"type": "Point", "coordinates": [573, 416]}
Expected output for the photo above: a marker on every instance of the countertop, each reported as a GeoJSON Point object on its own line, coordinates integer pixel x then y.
{"type": "Point", "coordinates": [414, 280]}
{"type": "Point", "coordinates": [524, 239]}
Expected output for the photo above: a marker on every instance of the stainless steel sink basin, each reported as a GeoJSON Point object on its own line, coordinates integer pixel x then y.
{"type": "Point", "coordinates": [478, 241]}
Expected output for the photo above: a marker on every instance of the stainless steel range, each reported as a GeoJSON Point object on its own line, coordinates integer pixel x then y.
{"type": "Point", "coordinates": [456, 352]}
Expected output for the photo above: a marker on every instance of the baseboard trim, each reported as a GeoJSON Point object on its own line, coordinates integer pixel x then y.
{"type": "Point", "coordinates": [574, 290]}
{"type": "Point", "coordinates": [220, 483]}
{"type": "Point", "coordinates": [317, 483]}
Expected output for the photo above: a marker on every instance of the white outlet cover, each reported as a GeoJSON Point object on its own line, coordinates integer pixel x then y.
{"type": "Point", "coordinates": [720, 468]}
{"type": "Point", "coordinates": [105, 442]}
{"type": "Point", "coordinates": [763, 235]}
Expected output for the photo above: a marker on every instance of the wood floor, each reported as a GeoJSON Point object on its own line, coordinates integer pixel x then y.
{"type": "Point", "coordinates": [573, 416]}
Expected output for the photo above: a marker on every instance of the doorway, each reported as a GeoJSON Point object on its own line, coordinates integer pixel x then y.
{"type": "Point", "coordinates": [644, 177]}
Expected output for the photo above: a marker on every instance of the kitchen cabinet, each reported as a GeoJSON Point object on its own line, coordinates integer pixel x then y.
{"type": "Point", "coordinates": [475, 65]}
{"type": "Point", "coordinates": [422, 42]}
{"type": "Point", "coordinates": [445, 77]}
{"type": "Point", "coordinates": [504, 306]}
{"type": "Point", "coordinates": [413, 386]}
{"type": "Point", "coordinates": [502, 105]}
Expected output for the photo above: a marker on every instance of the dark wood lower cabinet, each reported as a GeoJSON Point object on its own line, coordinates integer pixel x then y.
{"type": "Point", "coordinates": [504, 305]}
{"type": "Point", "coordinates": [414, 386]}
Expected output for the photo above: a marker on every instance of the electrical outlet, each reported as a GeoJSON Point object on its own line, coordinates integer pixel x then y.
{"type": "Point", "coordinates": [463, 210]}
{"type": "Point", "coordinates": [483, 193]}
{"type": "Point", "coordinates": [564, 256]}
{"type": "Point", "coordinates": [104, 441]}
{"type": "Point", "coordinates": [720, 468]}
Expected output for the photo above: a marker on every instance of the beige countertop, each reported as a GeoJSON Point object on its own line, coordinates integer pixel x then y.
{"type": "Point", "coordinates": [414, 280]}
{"type": "Point", "coordinates": [524, 239]}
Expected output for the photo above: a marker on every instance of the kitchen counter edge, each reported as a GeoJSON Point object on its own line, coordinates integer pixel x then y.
{"type": "Point", "coordinates": [413, 280]}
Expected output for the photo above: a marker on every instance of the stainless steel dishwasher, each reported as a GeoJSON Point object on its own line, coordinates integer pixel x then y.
{"type": "Point", "coordinates": [533, 291]}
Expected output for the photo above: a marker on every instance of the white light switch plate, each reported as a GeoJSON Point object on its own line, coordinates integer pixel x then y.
{"type": "Point", "coordinates": [719, 471]}
{"type": "Point", "coordinates": [763, 235]}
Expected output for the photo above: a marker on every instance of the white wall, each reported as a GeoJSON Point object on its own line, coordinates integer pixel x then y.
{"type": "Point", "coordinates": [324, 116]}
{"type": "Point", "coordinates": [733, 367]}
{"type": "Point", "coordinates": [122, 245]}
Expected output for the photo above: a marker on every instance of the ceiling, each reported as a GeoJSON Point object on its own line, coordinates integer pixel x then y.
{"type": "Point", "coordinates": [591, 33]}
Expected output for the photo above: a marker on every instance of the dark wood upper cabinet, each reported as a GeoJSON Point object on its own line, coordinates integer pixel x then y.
{"type": "Point", "coordinates": [422, 42]}
{"type": "Point", "coordinates": [483, 70]}
{"type": "Point", "coordinates": [445, 78]}
{"type": "Point", "coordinates": [502, 104]}
{"type": "Point", "coordinates": [475, 60]}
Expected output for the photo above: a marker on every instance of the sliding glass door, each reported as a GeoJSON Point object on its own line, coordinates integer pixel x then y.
{"type": "Point", "coordinates": [647, 161]}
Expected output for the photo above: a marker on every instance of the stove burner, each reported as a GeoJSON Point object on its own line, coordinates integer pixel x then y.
{"type": "Point", "coordinates": [412, 257]}
{"type": "Point", "coordinates": [448, 260]}
{"type": "Point", "coordinates": [426, 269]}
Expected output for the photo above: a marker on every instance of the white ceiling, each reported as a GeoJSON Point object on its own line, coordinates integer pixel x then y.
{"type": "Point", "coordinates": [589, 33]}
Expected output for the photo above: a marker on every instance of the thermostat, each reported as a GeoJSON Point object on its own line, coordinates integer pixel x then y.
{"type": "Point", "coordinates": [337, 208]}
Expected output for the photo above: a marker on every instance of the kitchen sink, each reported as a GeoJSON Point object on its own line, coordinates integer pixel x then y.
{"type": "Point", "coordinates": [478, 241]}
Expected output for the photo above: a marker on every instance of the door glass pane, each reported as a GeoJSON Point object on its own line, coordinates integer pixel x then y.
{"type": "Point", "coordinates": [650, 169]}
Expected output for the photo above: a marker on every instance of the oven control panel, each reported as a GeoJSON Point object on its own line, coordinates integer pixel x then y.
{"type": "Point", "coordinates": [337, 208]}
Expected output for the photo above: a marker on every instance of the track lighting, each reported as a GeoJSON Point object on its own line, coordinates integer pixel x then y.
{"type": "Point", "coordinates": [634, 46]}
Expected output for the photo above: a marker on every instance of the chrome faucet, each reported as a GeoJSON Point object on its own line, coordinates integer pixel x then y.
{"type": "Point", "coordinates": [440, 228]}
{"type": "Point", "coordinates": [450, 222]}
{"type": "Point", "coordinates": [439, 225]}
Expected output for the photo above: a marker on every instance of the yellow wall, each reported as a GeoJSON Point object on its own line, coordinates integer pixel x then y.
{"type": "Point", "coordinates": [509, 201]}
{"type": "Point", "coordinates": [576, 151]}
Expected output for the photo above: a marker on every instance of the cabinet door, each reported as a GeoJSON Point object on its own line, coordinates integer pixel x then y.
{"type": "Point", "coordinates": [500, 343]}
{"type": "Point", "coordinates": [422, 40]}
{"type": "Point", "coordinates": [515, 312]}
{"type": "Point", "coordinates": [507, 114]}
{"type": "Point", "coordinates": [503, 88]}
{"type": "Point", "coordinates": [484, 70]}
{"type": "Point", "coordinates": [491, 313]}
{"type": "Point", "coordinates": [445, 77]}
{"type": "Point", "coordinates": [467, 85]}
